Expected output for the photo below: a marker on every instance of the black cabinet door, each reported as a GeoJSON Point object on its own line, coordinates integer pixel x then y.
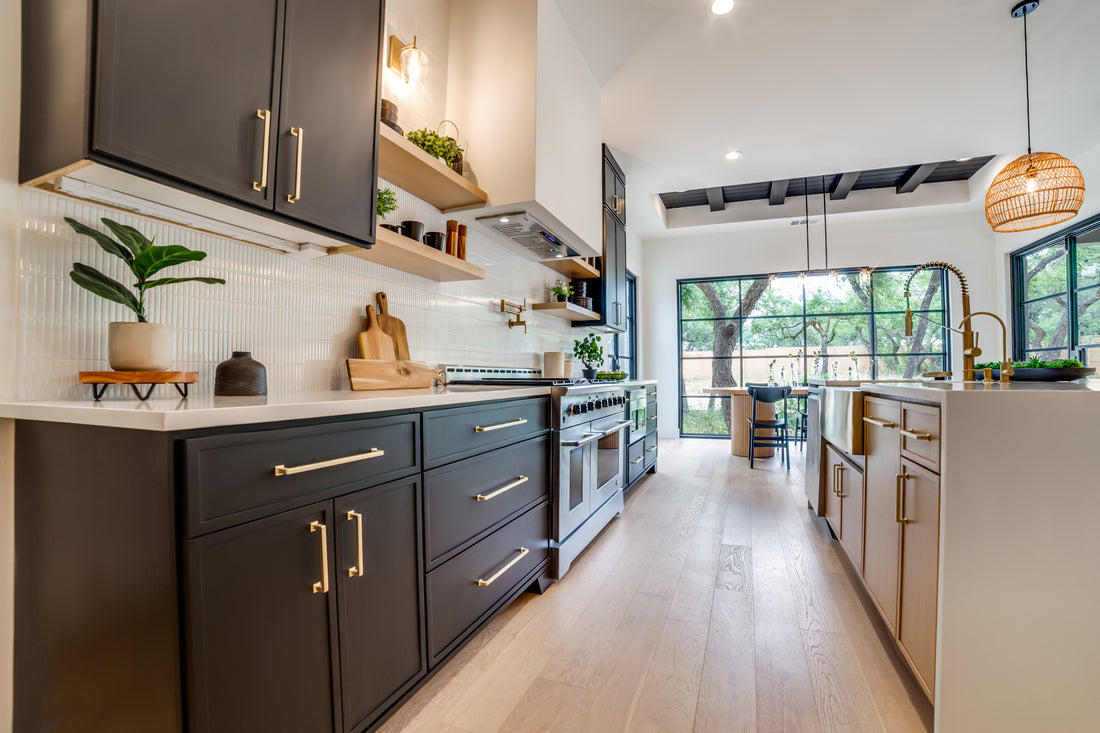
{"type": "Point", "coordinates": [261, 630]}
{"type": "Point", "coordinates": [179, 86]}
{"type": "Point", "coordinates": [379, 586]}
{"type": "Point", "coordinates": [614, 186]}
{"type": "Point", "coordinates": [328, 121]}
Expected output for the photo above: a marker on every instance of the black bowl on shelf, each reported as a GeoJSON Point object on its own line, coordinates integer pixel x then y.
{"type": "Point", "coordinates": [1061, 374]}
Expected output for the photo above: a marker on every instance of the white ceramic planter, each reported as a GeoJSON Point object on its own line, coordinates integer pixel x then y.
{"type": "Point", "coordinates": [139, 347]}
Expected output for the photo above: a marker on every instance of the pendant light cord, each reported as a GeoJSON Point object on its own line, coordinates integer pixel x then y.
{"type": "Point", "coordinates": [806, 198]}
{"type": "Point", "coordinates": [825, 221]}
{"type": "Point", "coordinates": [1027, 89]}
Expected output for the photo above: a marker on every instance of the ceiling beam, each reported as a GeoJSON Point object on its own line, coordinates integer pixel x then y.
{"type": "Point", "coordinates": [915, 177]}
{"type": "Point", "coordinates": [778, 193]}
{"type": "Point", "coordinates": [715, 198]}
{"type": "Point", "coordinates": [843, 187]}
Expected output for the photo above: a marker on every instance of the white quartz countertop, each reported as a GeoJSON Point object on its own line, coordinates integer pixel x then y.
{"type": "Point", "coordinates": [175, 413]}
{"type": "Point", "coordinates": [941, 391]}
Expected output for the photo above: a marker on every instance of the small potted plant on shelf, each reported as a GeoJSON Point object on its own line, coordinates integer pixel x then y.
{"type": "Point", "coordinates": [589, 351]}
{"type": "Point", "coordinates": [435, 145]}
{"type": "Point", "coordinates": [140, 346]}
{"type": "Point", "coordinates": [387, 202]}
{"type": "Point", "coordinates": [561, 291]}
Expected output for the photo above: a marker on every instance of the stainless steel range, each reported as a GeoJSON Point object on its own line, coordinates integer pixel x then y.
{"type": "Point", "coordinates": [588, 423]}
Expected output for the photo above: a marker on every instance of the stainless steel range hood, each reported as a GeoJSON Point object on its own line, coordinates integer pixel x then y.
{"type": "Point", "coordinates": [524, 229]}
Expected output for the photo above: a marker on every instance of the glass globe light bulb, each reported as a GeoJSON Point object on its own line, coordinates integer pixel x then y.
{"type": "Point", "coordinates": [414, 65]}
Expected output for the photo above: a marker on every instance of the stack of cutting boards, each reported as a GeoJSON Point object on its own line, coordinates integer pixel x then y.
{"type": "Point", "coordinates": [384, 348]}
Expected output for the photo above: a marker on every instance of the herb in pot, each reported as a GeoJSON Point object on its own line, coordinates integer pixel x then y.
{"type": "Point", "coordinates": [435, 144]}
{"type": "Point", "coordinates": [387, 202]}
{"type": "Point", "coordinates": [561, 290]}
{"type": "Point", "coordinates": [589, 351]}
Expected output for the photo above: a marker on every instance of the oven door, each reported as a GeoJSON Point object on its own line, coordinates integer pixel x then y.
{"type": "Point", "coordinates": [610, 452]}
{"type": "Point", "coordinates": [576, 478]}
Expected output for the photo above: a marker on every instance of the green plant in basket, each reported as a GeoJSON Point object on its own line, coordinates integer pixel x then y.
{"type": "Point", "coordinates": [435, 144]}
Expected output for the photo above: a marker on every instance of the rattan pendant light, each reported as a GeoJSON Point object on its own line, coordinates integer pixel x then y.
{"type": "Point", "coordinates": [1038, 189]}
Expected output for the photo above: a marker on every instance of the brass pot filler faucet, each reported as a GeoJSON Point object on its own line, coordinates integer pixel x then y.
{"type": "Point", "coordinates": [970, 337]}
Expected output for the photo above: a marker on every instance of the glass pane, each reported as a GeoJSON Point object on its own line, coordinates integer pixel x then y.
{"type": "Point", "coordinates": [904, 366]}
{"type": "Point", "coordinates": [1088, 259]}
{"type": "Point", "coordinates": [890, 335]}
{"type": "Point", "coordinates": [826, 295]}
{"type": "Point", "coordinates": [774, 337]}
{"type": "Point", "coordinates": [926, 289]}
{"type": "Point", "coordinates": [1046, 355]}
{"type": "Point", "coordinates": [702, 416]}
{"type": "Point", "coordinates": [1088, 316]}
{"type": "Point", "coordinates": [838, 335]}
{"type": "Point", "coordinates": [761, 297]}
{"type": "Point", "coordinates": [699, 337]}
{"type": "Point", "coordinates": [1045, 272]}
{"type": "Point", "coordinates": [778, 370]}
{"type": "Point", "coordinates": [1046, 323]}
{"type": "Point", "coordinates": [715, 299]}
{"type": "Point", "coordinates": [698, 374]}
{"type": "Point", "coordinates": [1091, 358]}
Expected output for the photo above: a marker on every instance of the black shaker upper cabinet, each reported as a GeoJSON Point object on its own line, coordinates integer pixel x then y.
{"type": "Point", "coordinates": [187, 89]}
{"type": "Point", "coordinates": [327, 135]}
{"type": "Point", "coordinates": [614, 186]}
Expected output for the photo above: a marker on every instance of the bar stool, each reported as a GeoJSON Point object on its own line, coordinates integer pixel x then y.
{"type": "Point", "coordinates": [777, 438]}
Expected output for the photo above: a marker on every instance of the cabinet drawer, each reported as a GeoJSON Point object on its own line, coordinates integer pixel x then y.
{"type": "Point", "coordinates": [920, 434]}
{"type": "Point", "coordinates": [465, 499]}
{"type": "Point", "coordinates": [650, 449]}
{"type": "Point", "coordinates": [651, 418]}
{"type": "Point", "coordinates": [635, 460]}
{"type": "Point", "coordinates": [235, 477]}
{"type": "Point", "coordinates": [466, 431]}
{"type": "Point", "coordinates": [467, 588]}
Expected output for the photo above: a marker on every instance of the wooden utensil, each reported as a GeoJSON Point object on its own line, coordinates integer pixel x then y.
{"type": "Point", "coordinates": [365, 374]}
{"type": "Point", "coordinates": [374, 343]}
{"type": "Point", "coordinates": [394, 327]}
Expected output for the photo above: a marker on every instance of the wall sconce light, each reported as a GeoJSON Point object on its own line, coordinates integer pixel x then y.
{"type": "Point", "coordinates": [408, 61]}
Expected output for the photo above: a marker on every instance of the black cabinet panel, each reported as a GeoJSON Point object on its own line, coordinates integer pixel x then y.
{"type": "Point", "coordinates": [261, 637]}
{"type": "Point", "coordinates": [466, 431]}
{"type": "Point", "coordinates": [330, 95]}
{"type": "Point", "coordinates": [382, 645]}
{"type": "Point", "coordinates": [610, 289]}
{"type": "Point", "coordinates": [179, 85]}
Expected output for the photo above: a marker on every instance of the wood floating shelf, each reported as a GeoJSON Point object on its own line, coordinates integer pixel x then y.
{"type": "Point", "coordinates": [568, 311]}
{"type": "Point", "coordinates": [401, 253]}
{"type": "Point", "coordinates": [572, 267]}
{"type": "Point", "coordinates": [410, 168]}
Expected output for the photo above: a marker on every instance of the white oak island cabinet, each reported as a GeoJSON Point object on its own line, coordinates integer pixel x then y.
{"type": "Point", "coordinates": [1017, 591]}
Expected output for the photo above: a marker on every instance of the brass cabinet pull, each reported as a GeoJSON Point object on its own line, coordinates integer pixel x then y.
{"type": "Point", "coordinates": [637, 461]}
{"type": "Point", "coordinates": [836, 478]}
{"type": "Point", "coordinates": [358, 569]}
{"type": "Point", "coordinates": [265, 115]}
{"type": "Point", "coordinates": [322, 585]}
{"type": "Point", "coordinates": [281, 470]}
{"type": "Point", "coordinates": [880, 423]}
{"type": "Point", "coordinates": [616, 202]}
{"type": "Point", "coordinates": [900, 499]}
{"type": "Point", "coordinates": [520, 421]}
{"type": "Point", "coordinates": [299, 133]}
{"type": "Point", "coordinates": [502, 489]}
{"type": "Point", "coordinates": [485, 583]}
{"type": "Point", "coordinates": [840, 481]}
{"type": "Point", "coordinates": [916, 436]}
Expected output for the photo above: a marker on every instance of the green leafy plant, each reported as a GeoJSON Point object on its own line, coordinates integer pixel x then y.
{"type": "Point", "coordinates": [1034, 363]}
{"type": "Point", "coordinates": [589, 351]}
{"type": "Point", "coordinates": [143, 258]}
{"type": "Point", "coordinates": [562, 289]}
{"type": "Point", "coordinates": [387, 202]}
{"type": "Point", "coordinates": [435, 144]}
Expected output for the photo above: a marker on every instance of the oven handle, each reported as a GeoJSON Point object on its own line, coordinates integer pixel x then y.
{"type": "Point", "coordinates": [586, 439]}
{"type": "Point", "coordinates": [617, 428]}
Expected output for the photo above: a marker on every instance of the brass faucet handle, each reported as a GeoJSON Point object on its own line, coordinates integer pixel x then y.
{"type": "Point", "coordinates": [988, 371]}
{"type": "Point", "coordinates": [936, 375]}
{"type": "Point", "coordinates": [1007, 371]}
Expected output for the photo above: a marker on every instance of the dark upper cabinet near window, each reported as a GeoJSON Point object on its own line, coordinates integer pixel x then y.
{"type": "Point", "coordinates": [609, 291]}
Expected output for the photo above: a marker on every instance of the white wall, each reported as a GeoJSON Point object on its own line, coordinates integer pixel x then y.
{"type": "Point", "coordinates": [855, 240]}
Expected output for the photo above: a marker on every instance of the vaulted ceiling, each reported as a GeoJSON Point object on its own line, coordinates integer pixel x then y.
{"type": "Point", "coordinates": [804, 86]}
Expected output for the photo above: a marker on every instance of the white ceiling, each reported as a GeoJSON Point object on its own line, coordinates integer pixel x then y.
{"type": "Point", "coordinates": [808, 87]}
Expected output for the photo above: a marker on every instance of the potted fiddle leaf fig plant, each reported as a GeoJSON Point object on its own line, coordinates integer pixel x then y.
{"type": "Point", "coordinates": [135, 346]}
{"type": "Point", "coordinates": [589, 351]}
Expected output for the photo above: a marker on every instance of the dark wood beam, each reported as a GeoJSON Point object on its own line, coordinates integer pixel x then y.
{"type": "Point", "coordinates": [844, 186]}
{"type": "Point", "coordinates": [715, 198]}
{"type": "Point", "coordinates": [778, 192]}
{"type": "Point", "coordinates": [915, 177]}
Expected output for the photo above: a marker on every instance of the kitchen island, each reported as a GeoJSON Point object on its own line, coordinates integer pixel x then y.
{"type": "Point", "coordinates": [988, 495]}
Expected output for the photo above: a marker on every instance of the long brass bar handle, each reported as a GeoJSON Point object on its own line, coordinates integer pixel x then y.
{"type": "Point", "coordinates": [502, 489]}
{"type": "Point", "coordinates": [900, 499]}
{"type": "Point", "coordinates": [916, 436]}
{"type": "Point", "coordinates": [281, 470]}
{"type": "Point", "coordinates": [880, 423]}
{"type": "Point", "coordinates": [358, 569]}
{"type": "Point", "coordinates": [520, 421]}
{"type": "Point", "coordinates": [836, 478]}
{"type": "Point", "coordinates": [840, 482]}
{"type": "Point", "coordinates": [637, 461]}
{"type": "Point", "coordinates": [299, 133]}
{"type": "Point", "coordinates": [322, 585]}
{"type": "Point", "coordinates": [265, 115]}
{"type": "Point", "coordinates": [485, 583]}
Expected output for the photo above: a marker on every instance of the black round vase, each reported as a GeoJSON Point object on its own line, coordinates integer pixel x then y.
{"type": "Point", "coordinates": [240, 376]}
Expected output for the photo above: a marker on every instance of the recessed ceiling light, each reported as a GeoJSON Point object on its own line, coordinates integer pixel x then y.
{"type": "Point", "coordinates": [504, 220]}
{"type": "Point", "coordinates": [733, 155]}
{"type": "Point", "coordinates": [559, 256]}
{"type": "Point", "coordinates": [721, 7]}
{"type": "Point", "coordinates": [963, 160]}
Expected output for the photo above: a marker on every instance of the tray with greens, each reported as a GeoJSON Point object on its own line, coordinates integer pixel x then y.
{"type": "Point", "coordinates": [1036, 370]}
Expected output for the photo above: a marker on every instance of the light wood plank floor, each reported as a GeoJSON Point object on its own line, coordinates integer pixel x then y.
{"type": "Point", "coordinates": [717, 602]}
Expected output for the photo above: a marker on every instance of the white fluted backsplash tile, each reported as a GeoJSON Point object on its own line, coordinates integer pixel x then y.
{"type": "Point", "coordinates": [299, 317]}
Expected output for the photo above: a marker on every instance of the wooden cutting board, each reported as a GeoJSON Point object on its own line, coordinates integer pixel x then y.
{"type": "Point", "coordinates": [374, 343]}
{"type": "Point", "coordinates": [394, 327]}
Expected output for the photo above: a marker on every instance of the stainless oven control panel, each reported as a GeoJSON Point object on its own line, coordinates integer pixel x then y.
{"type": "Point", "coordinates": [587, 406]}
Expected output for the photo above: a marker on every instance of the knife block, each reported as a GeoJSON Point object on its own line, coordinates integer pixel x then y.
{"type": "Point", "coordinates": [368, 374]}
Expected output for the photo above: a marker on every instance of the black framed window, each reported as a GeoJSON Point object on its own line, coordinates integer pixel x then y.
{"type": "Point", "coordinates": [1056, 296]}
{"type": "Point", "coordinates": [759, 328]}
{"type": "Point", "coordinates": [624, 346]}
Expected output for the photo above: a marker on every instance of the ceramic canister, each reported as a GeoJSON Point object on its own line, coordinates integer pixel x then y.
{"type": "Point", "coordinates": [553, 364]}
